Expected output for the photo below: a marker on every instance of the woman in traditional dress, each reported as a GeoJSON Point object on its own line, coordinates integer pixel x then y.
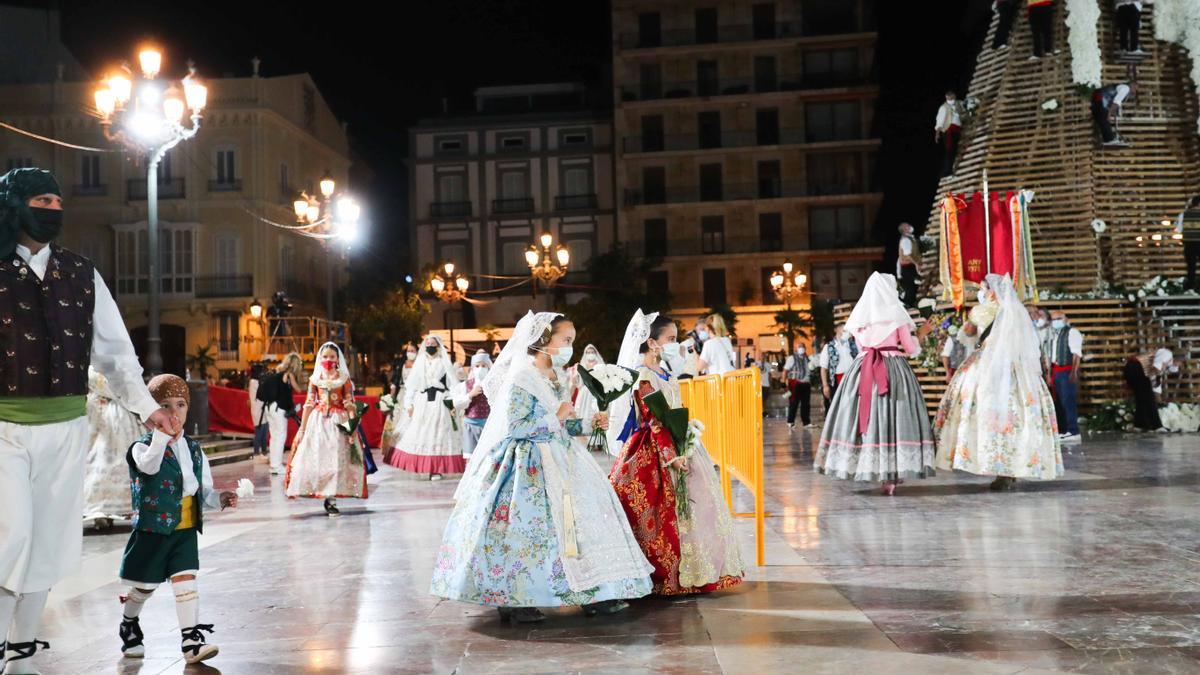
{"type": "Point", "coordinates": [535, 523]}
{"type": "Point", "coordinates": [717, 357]}
{"type": "Point", "coordinates": [997, 416]}
{"type": "Point", "coordinates": [106, 481]}
{"type": "Point", "coordinates": [327, 461]}
{"type": "Point", "coordinates": [670, 493]}
{"type": "Point", "coordinates": [877, 428]}
{"type": "Point", "coordinates": [585, 404]}
{"type": "Point", "coordinates": [397, 422]}
{"type": "Point", "coordinates": [432, 444]}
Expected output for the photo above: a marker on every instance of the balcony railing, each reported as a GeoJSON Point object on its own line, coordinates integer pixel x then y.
{"type": "Point", "coordinates": [678, 246]}
{"type": "Point", "coordinates": [225, 286]}
{"type": "Point", "coordinates": [732, 33]}
{"type": "Point", "coordinates": [653, 91]}
{"type": "Point", "coordinates": [702, 141]}
{"type": "Point", "coordinates": [575, 202]}
{"type": "Point", "coordinates": [225, 185]}
{"type": "Point", "coordinates": [89, 190]}
{"type": "Point", "coordinates": [516, 205]}
{"type": "Point", "coordinates": [764, 189]}
{"type": "Point", "coordinates": [172, 188]}
{"type": "Point", "coordinates": [450, 209]}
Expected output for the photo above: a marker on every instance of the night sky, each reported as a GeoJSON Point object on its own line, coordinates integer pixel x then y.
{"type": "Point", "coordinates": [382, 74]}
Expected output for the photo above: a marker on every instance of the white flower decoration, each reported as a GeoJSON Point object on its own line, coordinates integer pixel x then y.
{"type": "Point", "coordinates": [1099, 226]}
{"type": "Point", "coordinates": [1050, 104]}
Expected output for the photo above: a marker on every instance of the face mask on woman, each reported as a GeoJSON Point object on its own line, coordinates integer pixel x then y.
{"type": "Point", "coordinates": [329, 364]}
{"type": "Point", "coordinates": [702, 334]}
{"type": "Point", "coordinates": [479, 372]}
{"type": "Point", "coordinates": [431, 350]}
{"type": "Point", "coordinates": [412, 356]}
{"type": "Point", "coordinates": [670, 351]}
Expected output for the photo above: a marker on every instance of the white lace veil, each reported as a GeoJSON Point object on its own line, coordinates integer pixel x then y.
{"type": "Point", "coordinates": [592, 350]}
{"type": "Point", "coordinates": [343, 369]}
{"type": "Point", "coordinates": [512, 365]}
{"type": "Point", "coordinates": [630, 356]}
{"type": "Point", "coordinates": [427, 367]}
{"type": "Point", "coordinates": [1011, 346]}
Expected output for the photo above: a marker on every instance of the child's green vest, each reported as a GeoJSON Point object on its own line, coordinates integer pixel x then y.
{"type": "Point", "coordinates": [158, 498]}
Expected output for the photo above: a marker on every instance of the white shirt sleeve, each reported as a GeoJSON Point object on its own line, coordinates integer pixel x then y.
{"type": "Point", "coordinates": [1122, 93]}
{"type": "Point", "coordinates": [906, 246]}
{"type": "Point", "coordinates": [210, 497]}
{"type": "Point", "coordinates": [948, 348]}
{"type": "Point", "coordinates": [1179, 223]}
{"type": "Point", "coordinates": [113, 355]}
{"type": "Point", "coordinates": [148, 458]}
{"type": "Point", "coordinates": [824, 359]}
{"type": "Point", "coordinates": [1162, 359]}
{"type": "Point", "coordinates": [941, 124]}
{"type": "Point", "coordinates": [1075, 342]}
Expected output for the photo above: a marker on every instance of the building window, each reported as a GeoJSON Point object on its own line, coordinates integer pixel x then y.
{"type": "Point", "coordinates": [655, 237]}
{"type": "Point", "coordinates": [176, 260]}
{"type": "Point", "coordinates": [770, 182]}
{"type": "Point", "coordinates": [770, 232]}
{"type": "Point", "coordinates": [650, 80]}
{"type": "Point", "coordinates": [765, 74]}
{"type": "Point", "coordinates": [766, 126]}
{"type": "Point", "coordinates": [710, 183]}
{"type": "Point", "coordinates": [228, 336]}
{"type": "Point", "coordinates": [649, 29]}
{"type": "Point", "coordinates": [708, 126]}
{"type": "Point", "coordinates": [452, 187]}
{"type": "Point", "coordinates": [512, 143]}
{"type": "Point", "coordinates": [512, 255]}
{"type": "Point", "coordinates": [226, 167]}
{"type": "Point", "coordinates": [835, 173]}
{"type": "Point", "coordinates": [658, 283]}
{"type": "Point", "coordinates": [514, 184]}
{"type": "Point", "coordinates": [764, 21]}
{"type": "Point", "coordinates": [706, 25]}
{"type": "Point", "coordinates": [839, 280]}
{"type": "Point", "coordinates": [831, 227]}
{"type": "Point", "coordinates": [714, 287]}
{"type": "Point", "coordinates": [838, 121]}
{"type": "Point", "coordinates": [581, 252]}
{"type": "Point", "coordinates": [654, 184]}
{"type": "Point", "coordinates": [830, 68]}
{"type": "Point", "coordinates": [287, 265]}
{"type": "Point", "coordinates": [764, 279]}
{"type": "Point", "coordinates": [577, 180]}
{"type": "Point", "coordinates": [285, 182]}
{"type": "Point", "coordinates": [450, 146]}
{"type": "Point", "coordinates": [712, 234]}
{"type": "Point", "coordinates": [575, 139]}
{"type": "Point", "coordinates": [89, 173]}
{"type": "Point", "coordinates": [707, 82]}
{"type": "Point", "coordinates": [652, 133]}
{"type": "Point", "coordinates": [226, 258]}
{"type": "Point", "coordinates": [828, 17]}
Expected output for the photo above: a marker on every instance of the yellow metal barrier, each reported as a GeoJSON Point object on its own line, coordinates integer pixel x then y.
{"type": "Point", "coordinates": [730, 408]}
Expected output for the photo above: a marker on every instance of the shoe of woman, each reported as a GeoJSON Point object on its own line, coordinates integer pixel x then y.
{"type": "Point", "coordinates": [331, 508]}
{"type": "Point", "coordinates": [605, 607]}
{"type": "Point", "coordinates": [521, 614]}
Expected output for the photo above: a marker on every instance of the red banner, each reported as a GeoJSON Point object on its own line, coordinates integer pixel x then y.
{"type": "Point", "coordinates": [229, 412]}
{"type": "Point", "coordinates": [974, 244]}
{"type": "Point", "coordinates": [1002, 234]}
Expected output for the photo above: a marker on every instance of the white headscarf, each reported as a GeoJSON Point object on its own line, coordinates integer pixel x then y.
{"type": "Point", "coordinates": [513, 368]}
{"type": "Point", "coordinates": [878, 312]}
{"type": "Point", "coordinates": [1012, 344]}
{"type": "Point", "coordinates": [343, 371]}
{"type": "Point", "coordinates": [591, 349]}
{"type": "Point", "coordinates": [630, 356]}
{"type": "Point", "coordinates": [481, 358]}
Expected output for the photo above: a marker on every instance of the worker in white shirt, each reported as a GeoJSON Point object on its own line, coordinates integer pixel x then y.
{"type": "Point", "coordinates": [958, 347]}
{"type": "Point", "coordinates": [1065, 354]}
{"type": "Point", "coordinates": [1107, 103]}
{"type": "Point", "coordinates": [908, 268]}
{"type": "Point", "coordinates": [947, 129]}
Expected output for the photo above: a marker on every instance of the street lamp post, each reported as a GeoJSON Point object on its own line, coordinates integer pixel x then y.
{"type": "Point", "coordinates": [150, 123]}
{"type": "Point", "coordinates": [788, 286]}
{"type": "Point", "coordinates": [337, 220]}
{"type": "Point", "coordinates": [541, 261]}
{"type": "Point", "coordinates": [450, 287]}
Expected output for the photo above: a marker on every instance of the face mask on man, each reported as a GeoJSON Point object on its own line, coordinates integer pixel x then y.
{"type": "Point", "coordinates": [1058, 324]}
{"type": "Point", "coordinates": [46, 225]}
{"type": "Point", "coordinates": [1040, 322]}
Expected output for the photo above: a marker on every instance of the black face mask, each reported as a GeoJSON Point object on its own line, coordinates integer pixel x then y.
{"type": "Point", "coordinates": [46, 225]}
{"type": "Point", "coordinates": [432, 351]}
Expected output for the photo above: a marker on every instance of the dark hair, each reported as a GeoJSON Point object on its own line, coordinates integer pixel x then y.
{"type": "Point", "coordinates": [657, 327]}
{"type": "Point", "coordinates": [540, 343]}
{"type": "Point", "coordinates": [1196, 201]}
{"type": "Point", "coordinates": [950, 92]}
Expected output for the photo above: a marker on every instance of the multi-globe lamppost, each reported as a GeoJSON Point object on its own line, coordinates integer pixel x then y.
{"type": "Point", "coordinates": [541, 261]}
{"type": "Point", "coordinates": [145, 115]}
{"type": "Point", "coordinates": [335, 220]}
{"type": "Point", "coordinates": [788, 286]}
{"type": "Point", "coordinates": [450, 288]}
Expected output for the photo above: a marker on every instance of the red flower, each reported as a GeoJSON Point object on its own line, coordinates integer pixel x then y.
{"type": "Point", "coordinates": [532, 470]}
{"type": "Point", "coordinates": [501, 513]}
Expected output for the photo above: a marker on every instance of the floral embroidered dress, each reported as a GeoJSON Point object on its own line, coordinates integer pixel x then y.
{"type": "Point", "coordinates": [536, 524]}
{"type": "Point", "coordinates": [114, 429]}
{"type": "Point", "coordinates": [326, 463]}
{"type": "Point", "coordinates": [997, 416]}
{"type": "Point", "coordinates": [689, 539]}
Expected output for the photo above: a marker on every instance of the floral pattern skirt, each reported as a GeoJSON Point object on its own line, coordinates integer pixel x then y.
{"type": "Point", "coordinates": [899, 442]}
{"type": "Point", "coordinates": [1015, 436]}
{"type": "Point", "coordinates": [501, 547]}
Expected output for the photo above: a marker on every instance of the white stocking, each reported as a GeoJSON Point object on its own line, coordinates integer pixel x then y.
{"type": "Point", "coordinates": [25, 622]}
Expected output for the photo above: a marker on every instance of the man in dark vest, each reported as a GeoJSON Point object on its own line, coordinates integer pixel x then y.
{"type": "Point", "coordinates": [1064, 354]}
{"type": "Point", "coordinates": [56, 318]}
{"type": "Point", "coordinates": [1188, 226]}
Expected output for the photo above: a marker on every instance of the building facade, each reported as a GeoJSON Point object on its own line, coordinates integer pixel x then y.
{"type": "Point", "coordinates": [483, 187]}
{"type": "Point", "coordinates": [262, 140]}
{"type": "Point", "coordinates": [743, 137]}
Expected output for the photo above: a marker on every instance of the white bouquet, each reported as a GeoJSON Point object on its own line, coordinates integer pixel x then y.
{"type": "Point", "coordinates": [606, 382]}
{"type": "Point", "coordinates": [387, 403]}
{"type": "Point", "coordinates": [1180, 417]}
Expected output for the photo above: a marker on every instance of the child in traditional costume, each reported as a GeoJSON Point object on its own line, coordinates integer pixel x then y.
{"type": "Point", "coordinates": [470, 397]}
{"type": "Point", "coordinates": [664, 477]}
{"type": "Point", "coordinates": [171, 483]}
{"type": "Point", "coordinates": [327, 460]}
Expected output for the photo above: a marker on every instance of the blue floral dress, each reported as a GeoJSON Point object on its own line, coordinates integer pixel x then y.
{"type": "Point", "coordinates": [501, 546]}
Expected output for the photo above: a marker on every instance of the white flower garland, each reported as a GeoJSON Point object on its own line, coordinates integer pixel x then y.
{"type": "Point", "coordinates": [1082, 18]}
{"type": "Point", "coordinates": [1178, 21]}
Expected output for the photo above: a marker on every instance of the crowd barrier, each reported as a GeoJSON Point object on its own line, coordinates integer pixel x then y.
{"type": "Point", "coordinates": [730, 407]}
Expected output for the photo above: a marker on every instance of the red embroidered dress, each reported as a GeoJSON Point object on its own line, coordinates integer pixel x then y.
{"type": "Point", "coordinates": [326, 463]}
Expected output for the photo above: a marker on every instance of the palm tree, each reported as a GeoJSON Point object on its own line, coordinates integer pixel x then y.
{"type": "Point", "coordinates": [202, 360]}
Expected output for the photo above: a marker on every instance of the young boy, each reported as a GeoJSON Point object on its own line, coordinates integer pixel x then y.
{"type": "Point", "coordinates": [171, 482]}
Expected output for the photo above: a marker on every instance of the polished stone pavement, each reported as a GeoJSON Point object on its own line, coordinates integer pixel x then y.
{"type": "Point", "coordinates": [1098, 572]}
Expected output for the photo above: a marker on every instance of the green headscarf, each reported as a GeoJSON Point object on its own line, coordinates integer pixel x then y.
{"type": "Point", "coordinates": [17, 187]}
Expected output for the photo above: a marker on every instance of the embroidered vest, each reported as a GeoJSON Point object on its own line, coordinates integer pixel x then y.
{"type": "Point", "coordinates": [1062, 348]}
{"type": "Point", "coordinates": [478, 408]}
{"type": "Point", "coordinates": [834, 359]}
{"type": "Point", "coordinates": [46, 326]}
{"type": "Point", "coordinates": [158, 499]}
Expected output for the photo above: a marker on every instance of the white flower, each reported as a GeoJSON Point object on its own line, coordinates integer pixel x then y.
{"type": "Point", "coordinates": [952, 330]}
{"type": "Point", "coordinates": [1050, 104]}
{"type": "Point", "coordinates": [1082, 18]}
{"type": "Point", "coordinates": [1099, 226]}
{"type": "Point", "coordinates": [1142, 293]}
{"type": "Point", "coordinates": [1132, 297]}
{"type": "Point", "coordinates": [245, 489]}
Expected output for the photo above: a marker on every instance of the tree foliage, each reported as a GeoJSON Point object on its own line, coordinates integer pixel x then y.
{"type": "Point", "coordinates": [386, 322]}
